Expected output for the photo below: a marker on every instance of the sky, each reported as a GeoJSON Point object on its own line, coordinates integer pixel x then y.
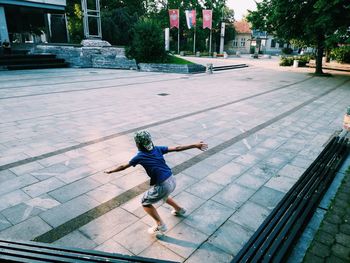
{"type": "Point", "coordinates": [241, 6]}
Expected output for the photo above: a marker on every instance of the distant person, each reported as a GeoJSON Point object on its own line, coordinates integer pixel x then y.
{"type": "Point", "coordinates": [162, 181]}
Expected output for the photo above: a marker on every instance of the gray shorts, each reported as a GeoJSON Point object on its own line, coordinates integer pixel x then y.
{"type": "Point", "coordinates": [159, 192]}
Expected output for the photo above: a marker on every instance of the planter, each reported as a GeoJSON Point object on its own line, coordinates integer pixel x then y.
{"type": "Point", "coordinates": [89, 57]}
{"type": "Point", "coordinates": [171, 68]}
{"type": "Point", "coordinates": [295, 63]}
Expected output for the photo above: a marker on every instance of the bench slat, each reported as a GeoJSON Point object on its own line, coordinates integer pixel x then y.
{"type": "Point", "coordinates": [274, 238]}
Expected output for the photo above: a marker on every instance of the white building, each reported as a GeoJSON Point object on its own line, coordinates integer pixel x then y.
{"type": "Point", "coordinates": [242, 40]}
{"type": "Point", "coordinates": [253, 41]}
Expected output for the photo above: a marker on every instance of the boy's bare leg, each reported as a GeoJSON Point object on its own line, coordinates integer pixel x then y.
{"type": "Point", "coordinates": [172, 202]}
{"type": "Point", "coordinates": [152, 211]}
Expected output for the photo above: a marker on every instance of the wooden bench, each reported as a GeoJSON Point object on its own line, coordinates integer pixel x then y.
{"type": "Point", "coordinates": [275, 238]}
{"type": "Point", "coordinates": [34, 252]}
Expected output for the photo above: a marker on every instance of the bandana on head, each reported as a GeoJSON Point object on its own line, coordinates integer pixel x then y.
{"type": "Point", "coordinates": [144, 139]}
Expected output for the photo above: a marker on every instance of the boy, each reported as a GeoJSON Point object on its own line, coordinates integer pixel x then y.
{"type": "Point", "coordinates": [162, 182]}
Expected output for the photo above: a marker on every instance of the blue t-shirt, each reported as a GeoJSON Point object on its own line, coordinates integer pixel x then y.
{"type": "Point", "coordinates": [154, 164]}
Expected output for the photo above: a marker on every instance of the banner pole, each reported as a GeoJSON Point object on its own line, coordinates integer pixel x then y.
{"type": "Point", "coordinates": [178, 40]}
{"type": "Point", "coordinates": [210, 42]}
{"type": "Point", "coordinates": [194, 41]}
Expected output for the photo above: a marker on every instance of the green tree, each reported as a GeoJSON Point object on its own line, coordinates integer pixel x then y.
{"type": "Point", "coordinates": [313, 21]}
{"type": "Point", "coordinates": [137, 7]}
{"type": "Point", "coordinates": [158, 10]}
{"type": "Point", "coordinates": [118, 16]}
{"type": "Point", "coordinates": [116, 25]}
{"type": "Point", "coordinates": [75, 20]}
{"type": "Point", "coordinates": [147, 43]}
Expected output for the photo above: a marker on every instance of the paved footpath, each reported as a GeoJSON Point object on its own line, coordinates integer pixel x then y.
{"type": "Point", "coordinates": [61, 128]}
{"type": "Point", "coordinates": [332, 240]}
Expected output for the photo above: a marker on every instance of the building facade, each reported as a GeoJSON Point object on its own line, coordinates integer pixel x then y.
{"type": "Point", "coordinates": [33, 21]}
{"type": "Point", "coordinates": [242, 41]}
{"type": "Point", "coordinates": [253, 41]}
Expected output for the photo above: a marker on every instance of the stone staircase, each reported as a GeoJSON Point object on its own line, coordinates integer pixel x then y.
{"type": "Point", "coordinates": [27, 61]}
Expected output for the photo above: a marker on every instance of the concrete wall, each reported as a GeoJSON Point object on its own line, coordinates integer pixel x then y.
{"type": "Point", "coordinates": [89, 57]}
{"type": "Point", "coordinates": [171, 68]}
{"type": "Point", "coordinates": [239, 38]}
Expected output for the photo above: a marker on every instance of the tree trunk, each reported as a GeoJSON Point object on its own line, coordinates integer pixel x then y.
{"type": "Point", "coordinates": [319, 55]}
{"type": "Point", "coordinates": [328, 55]}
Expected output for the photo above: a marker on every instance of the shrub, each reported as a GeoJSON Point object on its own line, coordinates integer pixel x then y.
{"type": "Point", "coordinates": [287, 50]}
{"type": "Point", "coordinates": [303, 60]}
{"type": "Point", "coordinates": [286, 61]}
{"type": "Point", "coordinates": [147, 43]}
{"type": "Point", "coordinates": [189, 53]}
{"type": "Point", "coordinates": [205, 54]}
{"type": "Point", "coordinates": [341, 54]}
{"type": "Point", "coordinates": [230, 52]}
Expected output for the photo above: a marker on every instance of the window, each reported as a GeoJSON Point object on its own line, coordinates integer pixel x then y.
{"type": "Point", "coordinates": [235, 43]}
{"type": "Point", "coordinates": [273, 43]}
{"type": "Point", "coordinates": [242, 42]}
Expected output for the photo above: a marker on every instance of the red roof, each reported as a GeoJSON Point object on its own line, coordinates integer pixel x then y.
{"type": "Point", "coordinates": [242, 27]}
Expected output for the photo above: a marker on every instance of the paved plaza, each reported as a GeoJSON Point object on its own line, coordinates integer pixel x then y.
{"type": "Point", "coordinates": [61, 128]}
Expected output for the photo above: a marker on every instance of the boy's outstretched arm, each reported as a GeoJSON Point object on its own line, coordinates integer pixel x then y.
{"type": "Point", "coordinates": [118, 169]}
{"type": "Point", "coordinates": [200, 145]}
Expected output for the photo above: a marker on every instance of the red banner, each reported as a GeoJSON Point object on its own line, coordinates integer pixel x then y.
{"type": "Point", "coordinates": [207, 18]}
{"type": "Point", "coordinates": [174, 18]}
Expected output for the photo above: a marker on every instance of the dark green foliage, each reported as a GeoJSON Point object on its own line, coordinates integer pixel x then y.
{"type": "Point", "coordinates": [158, 10]}
{"type": "Point", "coordinates": [286, 61]}
{"type": "Point", "coordinates": [116, 25]}
{"type": "Point", "coordinates": [287, 50]}
{"type": "Point", "coordinates": [119, 16]}
{"type": "Point", "coordinates": [312, 22]}
{"type": "Point", "coordinates": [341, 54]}
{"type": "Point", "coordinates": [134, 7]}
{"type": "Point", "coordinates": [75, 21]}
{"type": "Point", "coordinates": [303, 60]}
{"type": "Point", "coordinates": [147, 43]}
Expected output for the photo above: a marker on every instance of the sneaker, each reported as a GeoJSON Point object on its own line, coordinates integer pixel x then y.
{"type": "Point", "coordinates": [181, 212]}
{"type": "Point", "coordinates": [158, 229]}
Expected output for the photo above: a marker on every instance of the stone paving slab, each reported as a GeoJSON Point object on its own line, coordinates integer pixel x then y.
{"type": "Point", "coordinates": [230, 237]}
{"type": "Point", "coordinates": [30, 208]}
{"type": "Point", "coordinates": [108, 226]}
{"type": "Point", "coordinates": [67, 211]}
{"type": "Point", "coordinates": [60, 130]}
{"type": "Point", "coordinates": [26, 230]}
